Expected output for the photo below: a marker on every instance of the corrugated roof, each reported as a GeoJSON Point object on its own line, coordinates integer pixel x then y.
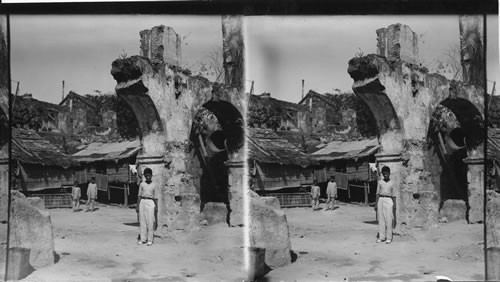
{"type": "Point", "coordinates": [265, 146]}
{"type": "Point", "coordinates": [112, 151]}
{"type": "Point", "coordinates": [29, 147]}
{"type": "Point", "coordinates": [337, 150]}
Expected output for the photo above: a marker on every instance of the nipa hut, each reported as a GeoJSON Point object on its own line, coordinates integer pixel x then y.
{"type": "Point", "coordinates": [41, 168]}
{"type": "Point", "coordinates": [279, 168]}
{"type": "Point", "coordinates": [349, 162]}
{"type": "Point", "coordinates": [110, 163]}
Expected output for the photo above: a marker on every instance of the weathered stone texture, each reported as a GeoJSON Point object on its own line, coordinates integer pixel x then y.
{"type": "Point", "coordinates": [165, 99]}
{"type": "Point", "coordinates": [493, 219]}
{"type": "Point", "coordinates": [4, 111]}
{"type": "Point", "coordinates": [235, 192]}
{"type": "Point", "coordinates": [427, 214]}
{"type": "Point", "coordinates": [233, 51]}
{"type": "Point", "coordinates": [453, 210]}
{"type": "Point", "coordinates": [398, 42]}
{"type": "Point", "coordinates": [214, 213]}
{"type": "Point", "coordinates": [272, 202]}
{"type": "Point", "coordinates": [161, 44]}
{"type": "Point", "coordinates": [183, 212]}
{"type": "Point", "coordinates": [472, 49]}
{"type": "Point", "coordinates": [475, 177]}
{"type": "Point", "coordinates": [36, 202]}
{"type": "Point", "coordinates": [4, 190]}
{"type": "Point", "coordinates": [403, 97]}
{"type": "Point", "coordinates": [31, 228]}
{"type": "Point", "coordinates": [269, 230]}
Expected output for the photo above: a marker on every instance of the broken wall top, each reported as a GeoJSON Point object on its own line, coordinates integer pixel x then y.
{"type": "Point", "coordinates": [398, 42]}
{"type": "Point", "coordinates": [161, 44]}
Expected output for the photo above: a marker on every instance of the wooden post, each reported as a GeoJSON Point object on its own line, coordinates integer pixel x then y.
{"type": "Point", "coordinates": [125, 194]}
{"type": "Point", "coordinates": [109, 193]}
{"type": "Point", "coordinates": [366, 186]}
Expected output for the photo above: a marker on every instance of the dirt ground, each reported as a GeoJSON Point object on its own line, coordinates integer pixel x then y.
{"type": "Point", "coordinates": [330, 246]}
{"type": "Point", "coordinates": [102, 246]}
{"type": "Point", "coordinates": [340, 245]}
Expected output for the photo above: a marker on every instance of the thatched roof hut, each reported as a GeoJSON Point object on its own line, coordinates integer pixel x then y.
{"type": "Point", "coordinates": [276, 163]}
{"type": "Point", "coordinates": [40, 164]}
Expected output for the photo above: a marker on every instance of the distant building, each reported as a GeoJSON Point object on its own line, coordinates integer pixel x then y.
{"type": "Point", "coordinates": [287, 116]}
{"type": "Point", "coordinates": [38, 164]}
{"type": "Point", "coordinates": [52, 116]}
{"type": "Point", "coordinates": [83, 113]}
{"type": "Point", "coordinates": [337, 115]}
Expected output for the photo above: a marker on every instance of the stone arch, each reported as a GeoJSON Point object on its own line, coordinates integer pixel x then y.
{"type": "Point", "coordinates": [166, 97]}
{"type": "Point", "coordinates": [455, 134]}
{"type": "Point", "coordinates": [402, 97]}
{"type": "Point", "coordinates": [216, 133]}
{"type": "Point", "coordinates": [133, 91]}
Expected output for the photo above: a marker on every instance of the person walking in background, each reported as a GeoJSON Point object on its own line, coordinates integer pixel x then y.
{"type": "Point", "coordinates": [331, 193]}
{"type": "Point", "coordinates": [315, 195]}
{"type": "Point", "coordinates": [91, 194]}
{"type": "Point", "coordinates": [384, 206]}
{"type": "Point", "coordinates": [76, 194]}
{"type": "Point", "coordinates": [148, 208]}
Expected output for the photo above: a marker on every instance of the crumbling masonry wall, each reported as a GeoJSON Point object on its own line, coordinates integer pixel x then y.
{"type": "Point", "coordinates": [402, 97]}
{"type": "Point", "coordinates": [4, 126]}
{"type": "Point", "coordinates": [165, 99]}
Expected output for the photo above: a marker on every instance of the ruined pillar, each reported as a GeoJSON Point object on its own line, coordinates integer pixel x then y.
{"type": "Point", "coordinates": [233, 51]}
{"type": "Point", "coordinates": [4, 127]}
{"type": "Point", "coordinates": [236, 186]}
{"type": "Point", "coordinates": [475, 177]}
{"type": "Point", "coordinates": [472, 49]}
{"type": "Point", "coordinates": [398, 42]}
{"type": "Point", "coordinates": [161, 44]}
{"type": "Point", "coordinates": [233, 55]}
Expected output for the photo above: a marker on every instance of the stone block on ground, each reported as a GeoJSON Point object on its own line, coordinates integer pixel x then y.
{"type": "Point", "coordinates": [453, 210]}
{"type": "Point", "coordinates": [272, 201]}
{"type": "Point", "coordinates": [269, 230]}
{"type": "Point", "coordinates": [31, 228]}
{"type": "Point", "coordinates": [214, 213]}
{"type": "Point", "coordinates": [19, 265]}
{"type": "Point", "coordinates": [37, 202]}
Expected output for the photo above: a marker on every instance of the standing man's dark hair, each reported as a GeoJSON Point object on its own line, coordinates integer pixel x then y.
{"type": "Point", "coordinates": [148, 171]}
{"type": "Point", "coordinates": [386, 169]}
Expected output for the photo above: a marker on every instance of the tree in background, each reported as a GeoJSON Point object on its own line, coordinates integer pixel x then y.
{"type": "Point", "coordinates": [126, 122]}
{"type": "Point", "coordinates": [27, 114]}
{"type": "Point", "coordinates": [262, 113]}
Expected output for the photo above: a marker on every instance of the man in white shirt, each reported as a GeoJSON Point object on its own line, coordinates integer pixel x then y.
{"type": "Point", "coordinates": [315, 195]}
{"type": "Point", "coordinates": [331, 193]}
{"type": "Point", "coordinates": [385, 193]}
{"type": "Point", "coordinates": [148, 208]}
{"type": "Point", "coordinates": [91, 194]}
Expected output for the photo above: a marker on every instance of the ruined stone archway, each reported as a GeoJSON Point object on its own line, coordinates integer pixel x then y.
{"type": "Point", "coordinates": [403, 96]}
{"type": "Point", "coordinates": [165, 99]}
{"type": "Point", "coordinates": [216, 133]}
{"type": "Point", "coordinates": [455, 133]}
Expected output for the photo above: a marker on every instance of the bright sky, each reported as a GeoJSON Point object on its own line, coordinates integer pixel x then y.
{"type": "Point", "coordinates": [281, 51]}
{"type": "Point", "coordinates": [80, 49]}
